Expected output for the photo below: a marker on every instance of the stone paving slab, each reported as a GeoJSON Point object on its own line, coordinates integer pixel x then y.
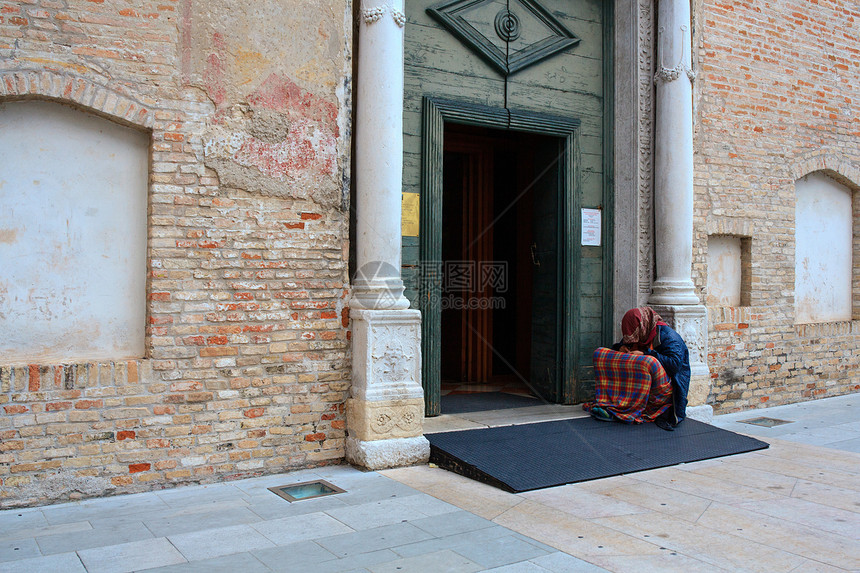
{"type": "Point", "coordinates": [222, 541]}
{"type": "Point", "coordinates": [234, 563]}
{"type": "Point", "coordinates": [300, 528]}
{"type": "Point", "coordinates": [360, 562]}
{"type": "Point", "coordinates": [452, 523]}
{"type": "Point", "coordinates": [58, 563]}
{"type": "Point", "coordinates": [196, 519]}
{"type": "Point", "coordinates": [134, 556]}
{"type": "Point", "coordinates": [91, 538]}
{"type": "Point", "coordinates": [504, 550]}
{"type": "Point", "coordinates": [300, 556]}
{"type": "Point", "coordinates": [443, 561]}
{"type": "Point", "coordinates": [15, 519]}
{"type": "Point", "coordinates": [385, 537]}
{"type": "Point", "coordinates": [456, 542]}
{"type": "Point", "coordinates": [18, 549]}
{"type": "Point", "coordinates": [559, 562]}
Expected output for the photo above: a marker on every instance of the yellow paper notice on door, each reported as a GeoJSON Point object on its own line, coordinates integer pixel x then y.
{"type": "Point", "coordinates": [409, 214]}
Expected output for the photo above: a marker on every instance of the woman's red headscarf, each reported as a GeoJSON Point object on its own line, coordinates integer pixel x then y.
{"type": "Point", "coordinates": [639, 326]}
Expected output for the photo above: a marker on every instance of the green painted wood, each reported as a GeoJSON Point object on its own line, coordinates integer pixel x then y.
{"type": "Point", "coordinates": [549, 309]}
{"type": "Point", "coordinates": [586, 378]}
{"type": "Point", "coordinates": [539, 35]}
{"type": "Point", "coordinates": [575, 84]}
{"type": "Point", "coordinates": [560, 384]}
{"type": "Point", "coordinates": [430, 247]}
{"type": "Point", "coordinates": [570, 209]}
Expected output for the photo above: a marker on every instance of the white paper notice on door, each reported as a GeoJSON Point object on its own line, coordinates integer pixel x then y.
{"type": "Point", "coordinates": [591, 227]}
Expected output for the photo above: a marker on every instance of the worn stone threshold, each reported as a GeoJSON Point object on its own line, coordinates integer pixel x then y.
{"type": "Point", "coordinates": [505, 417]}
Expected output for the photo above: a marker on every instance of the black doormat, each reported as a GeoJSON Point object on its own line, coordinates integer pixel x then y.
{"type": "Point", "coordinates": [546, 454]}
{"type": "Point", "coordinates": [483, 401]}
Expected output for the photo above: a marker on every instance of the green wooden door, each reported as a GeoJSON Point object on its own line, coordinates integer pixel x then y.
{"type": "Point", "coordinates": [546, 370]}
{"type": "Point", "coordinates": [566, 95]}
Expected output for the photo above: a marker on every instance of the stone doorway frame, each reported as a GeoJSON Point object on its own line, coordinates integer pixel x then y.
{"type": "Point", "coordinates": [638, 111]}
{"type": "Point", "coordinates": [435, 114]}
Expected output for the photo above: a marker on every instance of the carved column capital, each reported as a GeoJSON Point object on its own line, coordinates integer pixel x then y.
{"type": "Point", "coordinates": [374, 14]}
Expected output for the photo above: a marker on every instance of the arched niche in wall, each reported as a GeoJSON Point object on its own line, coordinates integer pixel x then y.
{"type": "Point", "coordinates": [73, 187]}
{"type": "Point", "coordinates": [824, 244]}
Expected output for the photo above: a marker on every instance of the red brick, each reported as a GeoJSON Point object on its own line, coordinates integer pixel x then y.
{"type": "Point", "coordinates": [254, 412]}
{"type": "Point", "coordinates": [55, 406]}
{"type": "Point", "coordinates": [218, 351]}
{"type": "Point", "coordinates": [15, 409]}
{"type": "Point", "coordinates": [33, 384]}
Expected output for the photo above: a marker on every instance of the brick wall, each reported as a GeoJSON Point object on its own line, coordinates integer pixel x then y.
{"type": "Point", "coordinates": [246, 367]}
{"type": "Point", "coordinates": [776, 98]}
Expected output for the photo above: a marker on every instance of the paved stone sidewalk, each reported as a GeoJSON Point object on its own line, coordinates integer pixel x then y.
{"type": "Point", "coordinates": [792, 507]}
{"type": "Point", "coordinates": [379, 525]}
{"type": "Point", "coordinates": [832, 422]}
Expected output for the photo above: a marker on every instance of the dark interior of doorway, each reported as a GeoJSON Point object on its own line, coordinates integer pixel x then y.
{"type": "Point", "coordinates": [487, 249]}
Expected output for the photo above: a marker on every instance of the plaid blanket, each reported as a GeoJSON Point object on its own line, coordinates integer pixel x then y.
{"type": "Point", "coordinates": [633, 388]}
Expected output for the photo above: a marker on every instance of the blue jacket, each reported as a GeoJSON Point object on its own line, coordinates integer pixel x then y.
{"type": "Point", "coordinates": [671, 351]}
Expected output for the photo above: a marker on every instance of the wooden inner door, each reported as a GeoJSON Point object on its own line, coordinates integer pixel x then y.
{"type": "Point", "coordinates": [488, 256]}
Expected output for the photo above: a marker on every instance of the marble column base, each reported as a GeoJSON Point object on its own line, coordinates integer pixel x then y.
{"type": "Point", "coordinates": [668, 292]}
{"type": "Point", "coordinates": [691, 322]}
{"type": "Point", "coordinates": [391, 453]}
{"type": "Point", "coordinates": [701, 413]}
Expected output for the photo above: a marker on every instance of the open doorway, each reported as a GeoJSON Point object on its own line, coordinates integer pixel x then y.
{"type": "Point", "coordinates": [501, 289]}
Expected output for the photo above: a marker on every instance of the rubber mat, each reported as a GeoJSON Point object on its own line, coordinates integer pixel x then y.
{"type": "Point", "coordinates": [483, 401]}
{"type": "Point", "coordinates": [546, 454]}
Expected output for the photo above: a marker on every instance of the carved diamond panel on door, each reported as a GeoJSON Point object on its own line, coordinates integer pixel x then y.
{"type": "Point", "coordinates": [509, 35]}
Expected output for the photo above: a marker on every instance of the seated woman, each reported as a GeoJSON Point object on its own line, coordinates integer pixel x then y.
{"type": "Point", "coordinates": [645, 377]}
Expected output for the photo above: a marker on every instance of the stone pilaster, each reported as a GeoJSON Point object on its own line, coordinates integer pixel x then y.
{"type": "Point", "coordinates": [385, 412]}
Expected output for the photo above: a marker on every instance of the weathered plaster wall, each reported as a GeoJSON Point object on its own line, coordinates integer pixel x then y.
{"type": "Point", "coordinates": [776, 99]}
{"type": "Point", "coordinates": [822, 250]}
{"type": "Point", "coordinates": [724, 271]}
{"type": "Point", "coordinates": [74, 193]}
{"type": "Point", "coordinates": [246, 368]}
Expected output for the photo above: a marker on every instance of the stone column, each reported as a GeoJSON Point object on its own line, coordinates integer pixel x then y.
{"type": "Point", "coordinates": [673, 294]}
{"type": "Point", "coordinates": [385, 412]}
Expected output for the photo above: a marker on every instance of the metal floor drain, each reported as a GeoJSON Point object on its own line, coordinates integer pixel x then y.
{"type": "Point", "coordinates": [766, 422]}
{"type": "Point", "coordinates": [305, 490]}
